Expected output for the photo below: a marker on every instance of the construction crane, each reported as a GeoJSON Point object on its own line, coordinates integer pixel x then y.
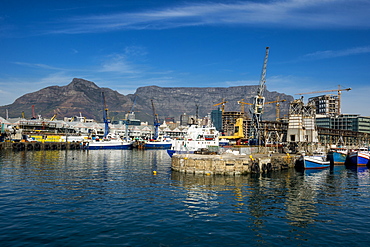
{"type": "Point", "coordinates": [53, 117]}
{"type": "Point", "coordinates": [277, 101]}
{"type": "Point", "coordinates": [156, 122]}
{"type": "Point", "coordinates": [259, 100]}
{"type": "Point", "coordinates": [56, 114]}
{"type": "Point", "coordinates": [339, 90]}
{"type": "Point", "coordinates": [222, 105]}
{"type": "Point", "coordinates": [242, 103]}
{"type": "Point", "coordinates": [105, 116]}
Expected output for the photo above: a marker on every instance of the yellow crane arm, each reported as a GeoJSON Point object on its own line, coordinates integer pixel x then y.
{"type": "Point", "coordinates": [326, 91]}
{"type": "Point", "coordinates": [245, 103]}
{"type": "Point", "coordinates": [276, 101]}
{"type": "Point", "coordinates": [224, 102]}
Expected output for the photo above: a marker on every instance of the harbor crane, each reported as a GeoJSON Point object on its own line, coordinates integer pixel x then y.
{"type": "Point", "coordinates": [222, 105]}
{"type": "Point", "coordinates": [105, 116]}
{"type": "Point", "coordinates": [339, 90]}
{"type": "Point", "coordinates": [259, 101]}
{"type": "Point", "coordinates": [278, 101]}
{"type": "Point", "coordinates": [156, 122]}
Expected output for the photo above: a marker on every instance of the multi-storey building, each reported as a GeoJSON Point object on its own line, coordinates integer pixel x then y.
{"type": "Point", "coordinates": [353, 122]}
{"type": "Point", "coordinates": [328, 104]}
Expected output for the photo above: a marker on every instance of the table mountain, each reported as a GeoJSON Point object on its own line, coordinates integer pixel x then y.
{"type": "Point", "coordinates": [82, 96]}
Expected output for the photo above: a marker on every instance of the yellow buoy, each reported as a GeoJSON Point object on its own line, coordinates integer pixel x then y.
{"type": "Point", "coordinates": [154, 172]}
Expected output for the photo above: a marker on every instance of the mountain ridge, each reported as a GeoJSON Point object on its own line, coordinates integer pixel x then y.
{"type": "Point", "coordinates": [83, 96]}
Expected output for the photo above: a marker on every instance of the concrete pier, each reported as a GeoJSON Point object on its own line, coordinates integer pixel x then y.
{"type": "Point", "coordinates": [231, 164]}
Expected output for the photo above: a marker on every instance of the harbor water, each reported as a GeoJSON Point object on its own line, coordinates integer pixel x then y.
{"type": "Point", "coordinates": [132, 198]}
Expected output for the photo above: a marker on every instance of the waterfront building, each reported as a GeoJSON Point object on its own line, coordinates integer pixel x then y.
{"type": "Point", "coordinates": [352, 122]}
{"type": "Point", "coordinates": [328, 104]}
{"type": "Point", "coordinates": [216, 117]}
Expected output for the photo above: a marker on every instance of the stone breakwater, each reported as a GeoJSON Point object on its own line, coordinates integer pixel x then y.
{"type": "Point", "coordinates": [231, 164]}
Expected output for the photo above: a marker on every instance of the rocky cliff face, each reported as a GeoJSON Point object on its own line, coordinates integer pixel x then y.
{"type": "Point", "coordinates": [82, 96]}
{"type": "Point", "coordinates": [172, 102]}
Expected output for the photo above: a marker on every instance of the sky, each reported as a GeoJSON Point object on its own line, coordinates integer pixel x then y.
{"type": "Point", "coordinates": [315, 45]}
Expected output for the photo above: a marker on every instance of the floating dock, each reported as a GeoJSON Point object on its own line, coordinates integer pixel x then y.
{"type": "Point", "coordinates": [231, 164]}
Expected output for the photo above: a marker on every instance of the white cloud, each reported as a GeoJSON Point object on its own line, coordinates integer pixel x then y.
{"type": "Point", "coordinates": [38, 66]}
{"type": "Point", "coordinates": [283, 13]}
{"type": "Point", "coordinates": [338, 53]}
{"type": "Point", "coordinates": [121, 63]}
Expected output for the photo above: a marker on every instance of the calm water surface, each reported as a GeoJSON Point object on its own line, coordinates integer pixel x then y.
{"type": "Point", "coordinates": [108, 198]}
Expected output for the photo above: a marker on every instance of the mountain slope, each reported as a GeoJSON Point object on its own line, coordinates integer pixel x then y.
{"type": "Point", "coordinates": [82, 96]}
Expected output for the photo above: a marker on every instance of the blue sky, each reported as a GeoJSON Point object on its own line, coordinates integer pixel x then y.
{"type": "Point", "coordinates": [314, 45]}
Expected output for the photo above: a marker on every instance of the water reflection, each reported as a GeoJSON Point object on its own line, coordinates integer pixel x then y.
{"type": "Point", "coordinates": [291, 196]}
{"type": "Point", "coordinates": [119, 189]}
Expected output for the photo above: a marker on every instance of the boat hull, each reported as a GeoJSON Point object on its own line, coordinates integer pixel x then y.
{"type": "Point", "coordinates": [107, 145]}
{"type": "Point", "coordinates": [337, 158]}
{"type": "Point", "coordinates": [358, 158]}
{"type": "Point", "coordinates": [157, 145]}
{"type": "Point", "coordinates": [313, 162]}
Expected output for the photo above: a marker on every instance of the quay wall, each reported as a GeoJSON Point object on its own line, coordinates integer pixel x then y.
{"type": "Point", "coordinates": [230, 164]}
{"type": "Point", "coordinates": [30, 146]}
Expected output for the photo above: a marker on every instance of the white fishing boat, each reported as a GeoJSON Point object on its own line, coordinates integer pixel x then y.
{"type": "Point", "coordinates": [109, 140]}
{"type": "Point", "coordinates": [196, 138]}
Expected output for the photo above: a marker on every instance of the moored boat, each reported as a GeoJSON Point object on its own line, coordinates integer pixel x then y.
{"type": "Point", "coordinates": [108, 144]}
{"type": "Point", "coordinates": [318, 161]}
{"type": "Point", "coordinates": [160, 143]}
{"type": "Point", "coordinates": [196, 138]}
{"type": "Point", "coordinates": [337, 156]}
{"type": "Point", "coordinates": [109, 141]}
{"type": "Point", "coordinates": [358, 158]}
{"type": "Point", "coordinates": [157, 145]}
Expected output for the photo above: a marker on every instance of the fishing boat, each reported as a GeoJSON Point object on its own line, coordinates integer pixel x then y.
{"type": "Point", "coordinates": [337, 155]}
{"type": "Point", "coordinates": [196, 138]}
{"type": "Point", "coordinates": [316, 161]}
{"type": "Point", "coordinates": [358, 158]}
{"type": "Point", "coordinates": [160, 143]}
{"type": "Point", "coordinates": [109, 141]}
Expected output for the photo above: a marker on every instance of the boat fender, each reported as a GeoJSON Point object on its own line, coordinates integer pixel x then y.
{"type": "Point", "coordinates": [15, 145]}
{"type": "Point", "coordinates": [29, 146]}
{"type": "Point", "coordinates": [21, 146]}
{"type": "Point", "coordinates": [37, 146]}
{"type": "Point", "coordinates": [255, 168]}
{"type": "Point", "coordinates": [264, 167]}
{"type": "Point", "coordinates": [269, 167]}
